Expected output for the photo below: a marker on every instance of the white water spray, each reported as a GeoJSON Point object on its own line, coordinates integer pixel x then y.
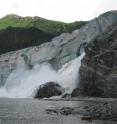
{"type": "Point", "coordinates": [23, 82]}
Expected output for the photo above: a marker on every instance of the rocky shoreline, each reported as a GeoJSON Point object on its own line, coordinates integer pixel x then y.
{"type": "Point", "coordinates": [90, 109]}
{"type": "Point", "coordinates": [58, 111]}
{"type": "Point", "coordinates": [95, 108]}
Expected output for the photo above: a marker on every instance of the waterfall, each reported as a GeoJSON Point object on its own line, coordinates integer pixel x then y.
{"type": "Point", "coordinates": [23, 82]}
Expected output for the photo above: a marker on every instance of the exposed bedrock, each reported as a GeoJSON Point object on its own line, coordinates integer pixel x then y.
{"type": "Point", "coordinates": [98, 72]}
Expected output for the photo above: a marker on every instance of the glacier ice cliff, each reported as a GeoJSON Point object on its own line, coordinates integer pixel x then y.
{"type": "Point", "coordinates": [60, 50]}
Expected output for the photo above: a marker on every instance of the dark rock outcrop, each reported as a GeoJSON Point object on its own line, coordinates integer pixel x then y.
{"type": "Point", "coordinates": [98, 71]}
{"type": "Point", "coordinates": [48, 90]}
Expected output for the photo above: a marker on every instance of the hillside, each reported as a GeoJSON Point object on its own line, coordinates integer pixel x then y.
{"type": "Point", "coordinates": [17, 38]}
{"type": "Point", "coordinates": [49, 26]}
{"type": "Point", "coordinates": [20, 32]}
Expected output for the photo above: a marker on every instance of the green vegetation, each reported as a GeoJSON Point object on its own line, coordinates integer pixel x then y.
{"type": "Point", "coordinates": [20, 32]}
{"type": "Point", "coordinates": [18, 38]}
{"type": "Point", "coordinates": [52, 27]}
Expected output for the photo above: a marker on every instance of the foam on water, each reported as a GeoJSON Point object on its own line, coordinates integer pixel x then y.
{"type": "Point", "coordinates": [23, 82]}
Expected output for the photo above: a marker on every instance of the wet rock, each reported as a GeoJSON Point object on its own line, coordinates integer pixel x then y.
{"type": "Point", "coordinates": [48, 90]}
{"type": "Point", "coordinates": [63, 111]}
{"type": "Point", "coordinates": [52, 112]}
{"type": "Point", "coordinates": [87, 118]}
{"type": "Point", "coordinates": [75, 92]}
{"type": "Point", "coordinates": [66, 95]}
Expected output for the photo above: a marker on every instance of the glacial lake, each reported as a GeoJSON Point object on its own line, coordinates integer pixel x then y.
{"type": "Point", "coordinates": [31, 111]}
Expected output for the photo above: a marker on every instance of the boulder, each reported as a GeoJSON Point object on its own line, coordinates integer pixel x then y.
{"type": "Point", "coordinates": [66, 95]}
{"type": "Point", "coordinates": [98, 71]}
{"type": "Point", "coordinates": [75, 92]}
{"type": "Point", "coordinates": [48, 90]}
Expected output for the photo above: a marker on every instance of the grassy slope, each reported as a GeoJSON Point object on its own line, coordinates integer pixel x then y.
{"type": "Point", "coordinates": [18, 32]}
{"type": "Point", "coordinates": [53, 27]}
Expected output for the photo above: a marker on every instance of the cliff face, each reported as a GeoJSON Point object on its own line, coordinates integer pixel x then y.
{"type": "Point", "coordinates": [98, 71]}
{"type": "Point", "coordinates": [59, 51]}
